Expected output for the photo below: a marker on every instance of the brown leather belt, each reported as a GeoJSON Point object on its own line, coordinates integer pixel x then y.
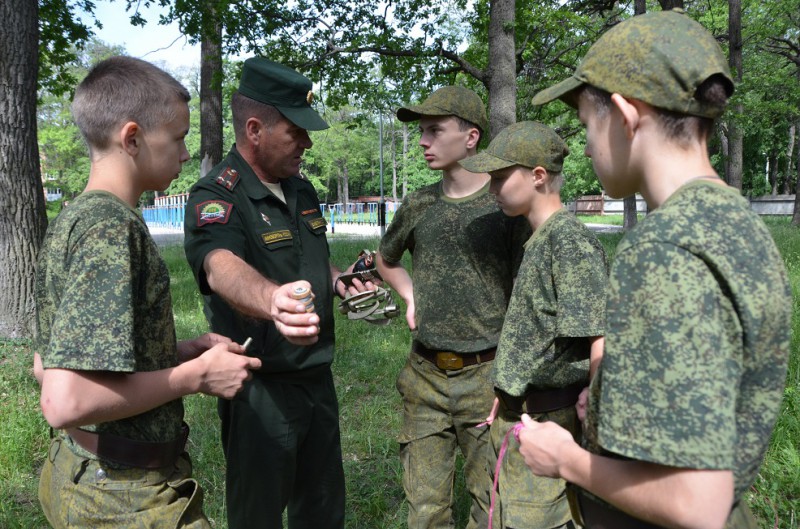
{"type": "Point", "coordinates": [130, 453]}
{"type": "Point", "coordinates": [595, 514]}
{"type": "Point", "coordinates": [450, 361]}
{"type": "Point", "coordinates": [542, 401]}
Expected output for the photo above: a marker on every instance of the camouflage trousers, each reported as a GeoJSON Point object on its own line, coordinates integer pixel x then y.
{"type": "Point", "coordinates": [524, 499]}
{"type": "Point", "coordinates": [79, 492]}
{"type": "Point", "coordinates": [440, 412]}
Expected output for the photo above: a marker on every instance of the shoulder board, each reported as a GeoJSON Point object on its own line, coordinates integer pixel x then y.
{"type": "Point", "coordinates": [228, 178]}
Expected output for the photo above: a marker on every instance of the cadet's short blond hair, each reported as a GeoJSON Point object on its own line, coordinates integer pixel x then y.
{"type": "Point", "coordinates": [122, 89]}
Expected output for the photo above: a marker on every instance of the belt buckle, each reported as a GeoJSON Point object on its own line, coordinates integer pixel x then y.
{"type": "Point", "coordinates": [447, 361]}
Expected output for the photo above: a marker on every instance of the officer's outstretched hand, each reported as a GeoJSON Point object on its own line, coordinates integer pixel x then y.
{"type": "Point", "coordinates": [545, 446]}
{"type": "Point", "coordinates": [223, 373]}
{"type": "Point", "coordinates": [292, 311]}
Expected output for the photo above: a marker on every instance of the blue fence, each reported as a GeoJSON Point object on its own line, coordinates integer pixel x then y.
{"type": "Point", "coordinates": [168, 212]}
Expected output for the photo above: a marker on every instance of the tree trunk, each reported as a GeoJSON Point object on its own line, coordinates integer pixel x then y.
{"type": "Point", "coordinates": [787, 176]}
{"type": "Point", "coordinates": [629, 217]}
{"type": "Point", "coordinates": [406, 134]}
{"type": "Point", "coordinates": [772, 173]}
{"type": "Point", "coordinates": [735, 133]}
{"type": "Point", "coordinates": [796, 214]}
{"type": "Point", "coordinates": [345, 185]}
{"type": "Point", "coordinates": [502, 69]}
{"type": "Point", "coordinates": [670, 4]}
{"type": "Point", "coordinates": [211, 90]}
{"type": "Point", "coordinates": [23, 220]}
{"type": "Point", "coordinates": [394, 161]}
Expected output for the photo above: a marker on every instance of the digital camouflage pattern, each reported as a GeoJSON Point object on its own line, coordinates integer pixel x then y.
{"type": "Point", "coordinates": [449, 101]}
{"type": "Point", "coordinates": [697, 341]}
{"type": "Point", "coordinates": [440, 412]}
{"type": "Point", "coordinates": [79, 493]}
{"type": "Point", "coordinates": [103, 304]}
{"type": "Point", "coordinates": [465, 253]}
{"type": "Point", "coordinates": [525, 143]}
{"type": "Point", "coordinates": [558, 302]}
{"type": "Point", "coordinates": [523, 498]}
{"type": "Point", "coordinates": [660, 57]}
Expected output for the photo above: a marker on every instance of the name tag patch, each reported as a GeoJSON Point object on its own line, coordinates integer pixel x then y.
{"type": "Point", "coordinates": [271, 237]}
{"type": "Point", "coordinates": [212, 211]}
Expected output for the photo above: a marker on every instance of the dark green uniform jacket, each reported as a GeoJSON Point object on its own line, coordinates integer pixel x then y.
{"type": "Point", "coordinates": [231, 209]}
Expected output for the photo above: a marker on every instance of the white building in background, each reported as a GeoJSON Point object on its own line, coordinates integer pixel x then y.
{"type": "Point", "coordinates": [51, 191]}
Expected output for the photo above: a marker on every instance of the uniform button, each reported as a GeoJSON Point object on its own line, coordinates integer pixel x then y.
{"type": "Point", "coordinates": [100, 474]}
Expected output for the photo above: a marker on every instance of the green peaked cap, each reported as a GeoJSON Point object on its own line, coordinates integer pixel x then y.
{"type": "Point", "coordinates": [285, 89]}
{"type": "Point", "coordinates": [527, 143]}
{"type": "Point", "coordinates": [449, 101]}
{"type": "Point", "coordinates": [660, 58]}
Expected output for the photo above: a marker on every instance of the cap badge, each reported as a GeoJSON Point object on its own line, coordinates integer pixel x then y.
{"type": "Point", "coordinates": [309, 97]}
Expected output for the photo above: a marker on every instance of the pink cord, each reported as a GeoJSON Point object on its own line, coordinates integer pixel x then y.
{"type": "Point", "coordinates": [503, 448]}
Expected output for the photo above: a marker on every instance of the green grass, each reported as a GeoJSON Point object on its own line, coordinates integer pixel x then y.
{"type": "Point", "coordinates": [368, 359]}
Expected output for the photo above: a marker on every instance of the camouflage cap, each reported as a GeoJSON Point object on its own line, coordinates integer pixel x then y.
{"type": "Point", "coordinates": [449, 101]}
{"type": "Point", "coordinates": [527, 143]}
{"type": "Point", "coordinates": [660, 58]}
{"type": "Point", "coordinates": [277, 85]}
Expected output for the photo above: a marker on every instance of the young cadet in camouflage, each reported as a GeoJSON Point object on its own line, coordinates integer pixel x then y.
{"type": "Point", "coordinates": [254, 233]}
{"type": "Point", "coordinates": [111, 371]}
{"type": "Point", "coordinates": [465, 254]}
{"type": "Point", "coordinates": [555, 319]}
{"type": "Point", "coordinates": [699, 309]}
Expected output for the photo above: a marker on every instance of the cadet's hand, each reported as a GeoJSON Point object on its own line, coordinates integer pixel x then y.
{"type": "Point", "coordinates": [291, 319]}
{"type": "Point", "coordinates": [582, 404]}
{"type": "Point", "coordinates": [493, 413]}
{"type": "Point", "coordinates": [224, 373]}
{"type": "Point", "coordinates": [411, 314]}
{"type": "Point", "coordinates": [544, 446]}
{"type": "Point", "coordinates": [189, 349]}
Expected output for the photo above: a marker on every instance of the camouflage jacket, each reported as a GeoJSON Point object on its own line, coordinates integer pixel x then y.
{"type": "Point", "coordinates": [103, 304]}
{"type": "Point", "coordinates": [697, 341]}
{"type": "Point", "coordinates": [559, 300]}
{"type": "Point", "coordinates": [465, 253]}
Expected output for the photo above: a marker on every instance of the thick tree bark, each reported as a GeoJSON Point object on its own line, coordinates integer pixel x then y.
{"type": "Point", "coordinates": [735, 133]}
{"type": "Point", "coordinates": [502, 70]}
{"type": "Point", "coordinates": [23, 220]}
{"type": "Point", "coordinates": [211, 90]}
